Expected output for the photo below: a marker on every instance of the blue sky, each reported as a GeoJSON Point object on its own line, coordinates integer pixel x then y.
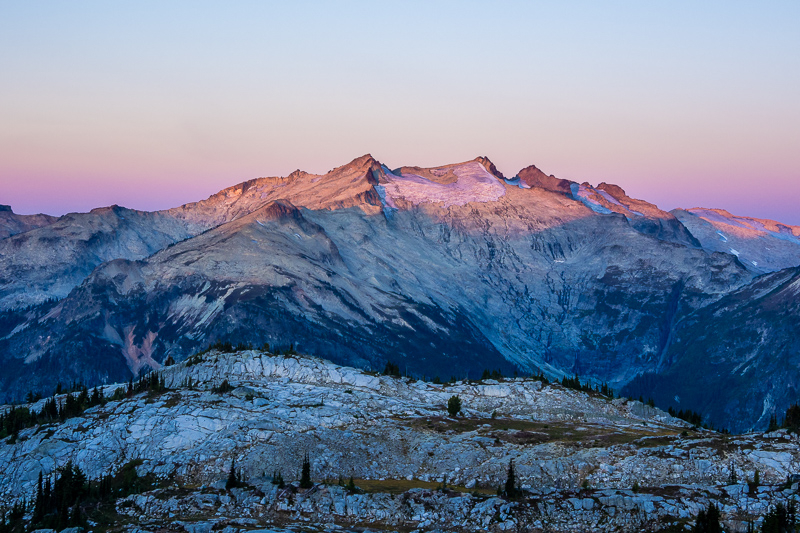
{"type": "Point", "coordinates": [152, 104]}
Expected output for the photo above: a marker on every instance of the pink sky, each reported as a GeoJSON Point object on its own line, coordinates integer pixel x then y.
{"type": "Point", "coordinates": [154, 106]}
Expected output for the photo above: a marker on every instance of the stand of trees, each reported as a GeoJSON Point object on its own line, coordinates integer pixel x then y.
{"type": "Point", "coordinates": [73, 404]}
{"type": "Point", "coordinates": [61, 501]}
{"type": "Point", "coordinates": [791, 420]}
{"type": "Point", "coordinates": [54, 410]}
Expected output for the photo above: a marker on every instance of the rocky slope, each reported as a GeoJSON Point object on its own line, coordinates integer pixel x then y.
{"type": "Point", "coordinates": [578, 456]}
{"type": "Point", "coordinates": [750, 340]}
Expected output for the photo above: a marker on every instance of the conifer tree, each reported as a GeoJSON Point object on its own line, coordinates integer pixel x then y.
{"type": "Point", "coordinates": [305, 476]}
{"type": "Point", "coordinates": [708, 520]}
{"type": "Point", "coordinates": [232, 478]}
{"type": "Point", "coordinates": [511, 481]}
{"type": "Point", "coordinates": [454, 405]}
{"type": "Point", "coordinates": [773, 423]}
{"type": "Point", "coordinates": [39, 505]}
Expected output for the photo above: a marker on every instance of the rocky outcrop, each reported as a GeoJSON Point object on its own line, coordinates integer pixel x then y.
{"type": "Point", "coordinates": [583, 460]}
{"type": "Point", "coordinates": [533, 177]}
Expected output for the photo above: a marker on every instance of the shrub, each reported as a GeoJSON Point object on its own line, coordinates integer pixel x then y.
{"type": "Point", "coordinates": [222, 388]}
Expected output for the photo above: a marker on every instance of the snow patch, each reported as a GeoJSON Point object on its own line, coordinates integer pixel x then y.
{"type": "Point", "coordinates": [722, 237]}
{"type": "Point", "coordinates": [583, 193]}
{"type": "Point", "coordinates": [473, 184]}
{"type": "Point", "coordinates": [794, 287]}
{"type": "Point", "coordinates": [735, 252]}
{"type": "Point", "coordinates": [516, 182]}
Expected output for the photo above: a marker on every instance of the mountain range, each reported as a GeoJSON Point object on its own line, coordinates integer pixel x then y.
{"type": "Point", "coordinates": [445, 271]}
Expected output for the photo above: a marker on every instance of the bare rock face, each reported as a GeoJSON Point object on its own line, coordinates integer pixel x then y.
{"type": "Point", "coordinates": [584, 462]}
{"type": "Point", "coordinates": [489, 166]}
{"type": "Point", "coordinates": [350, 185]}
{"type": "Point", "coordinates": [642, 216]}
{"type": "Point", "coordinates": [533, 177]}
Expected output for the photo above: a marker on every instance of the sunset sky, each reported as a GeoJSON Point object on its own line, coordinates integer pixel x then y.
{"type": "Point", "coordinates": [152, 104]}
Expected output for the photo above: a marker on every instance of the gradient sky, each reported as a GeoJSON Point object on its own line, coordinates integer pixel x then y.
{"type": "Point", "coordinates": [154, 104]}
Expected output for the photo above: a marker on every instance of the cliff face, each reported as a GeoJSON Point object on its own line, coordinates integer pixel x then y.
{"type": "Point", "coordinates": [446, 271]}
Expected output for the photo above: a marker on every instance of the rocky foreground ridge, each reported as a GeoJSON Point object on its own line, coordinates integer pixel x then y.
{"type": "Point", "coordinates": [585, 462]}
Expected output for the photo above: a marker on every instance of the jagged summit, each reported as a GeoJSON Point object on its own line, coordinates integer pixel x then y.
{"type": "Point", "coordinates": [349, 185]}
{"type": "Point", "coordinates": [489, 166]}
{"type": "Point", "coordinates": [531, 176]}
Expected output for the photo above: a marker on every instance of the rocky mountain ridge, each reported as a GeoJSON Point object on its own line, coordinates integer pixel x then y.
{"type": "Point", "coordinates": [449, 270]}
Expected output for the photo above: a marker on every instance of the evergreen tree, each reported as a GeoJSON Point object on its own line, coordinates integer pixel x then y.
{"type": "Point", "coordinates": [391, 369]}
{"type": "Point", "coordinates": [773, 423]}
{"type": "Point", "coordinates": [708, 520]}
{"type": "Point", "coordinates": [454, 405]}
{"type": "Point", "coordinates": [39, 505]}
{"type": "Point", "coordinates": [792, 419]}
{"type": "Point", "coordinates": [233, 480]}
{"type": "Point", "coordinates": [780, 519]}
{"type": "Point", "coordinates": [305, 476]}
{"type": "Point", "coordinates": [511, 481]}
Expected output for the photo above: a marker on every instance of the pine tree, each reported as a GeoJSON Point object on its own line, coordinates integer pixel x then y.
{"type": "Point", "coordinates": [511, 481]}
{"type": "Point", "coordinates": [792, 419]}
{"type": "Point", "coordinates": [780, 519]}
{"type": "Point", "coordinates": [232, 481]}
{"type": "Point", "coordinates": [39, 505]}
{"type": "Point", "coordinates": [773, 423]}
{"type": "Point", "coordinates": [708, 520]}
{"type": "Point", "coordinates": [305, 476]}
